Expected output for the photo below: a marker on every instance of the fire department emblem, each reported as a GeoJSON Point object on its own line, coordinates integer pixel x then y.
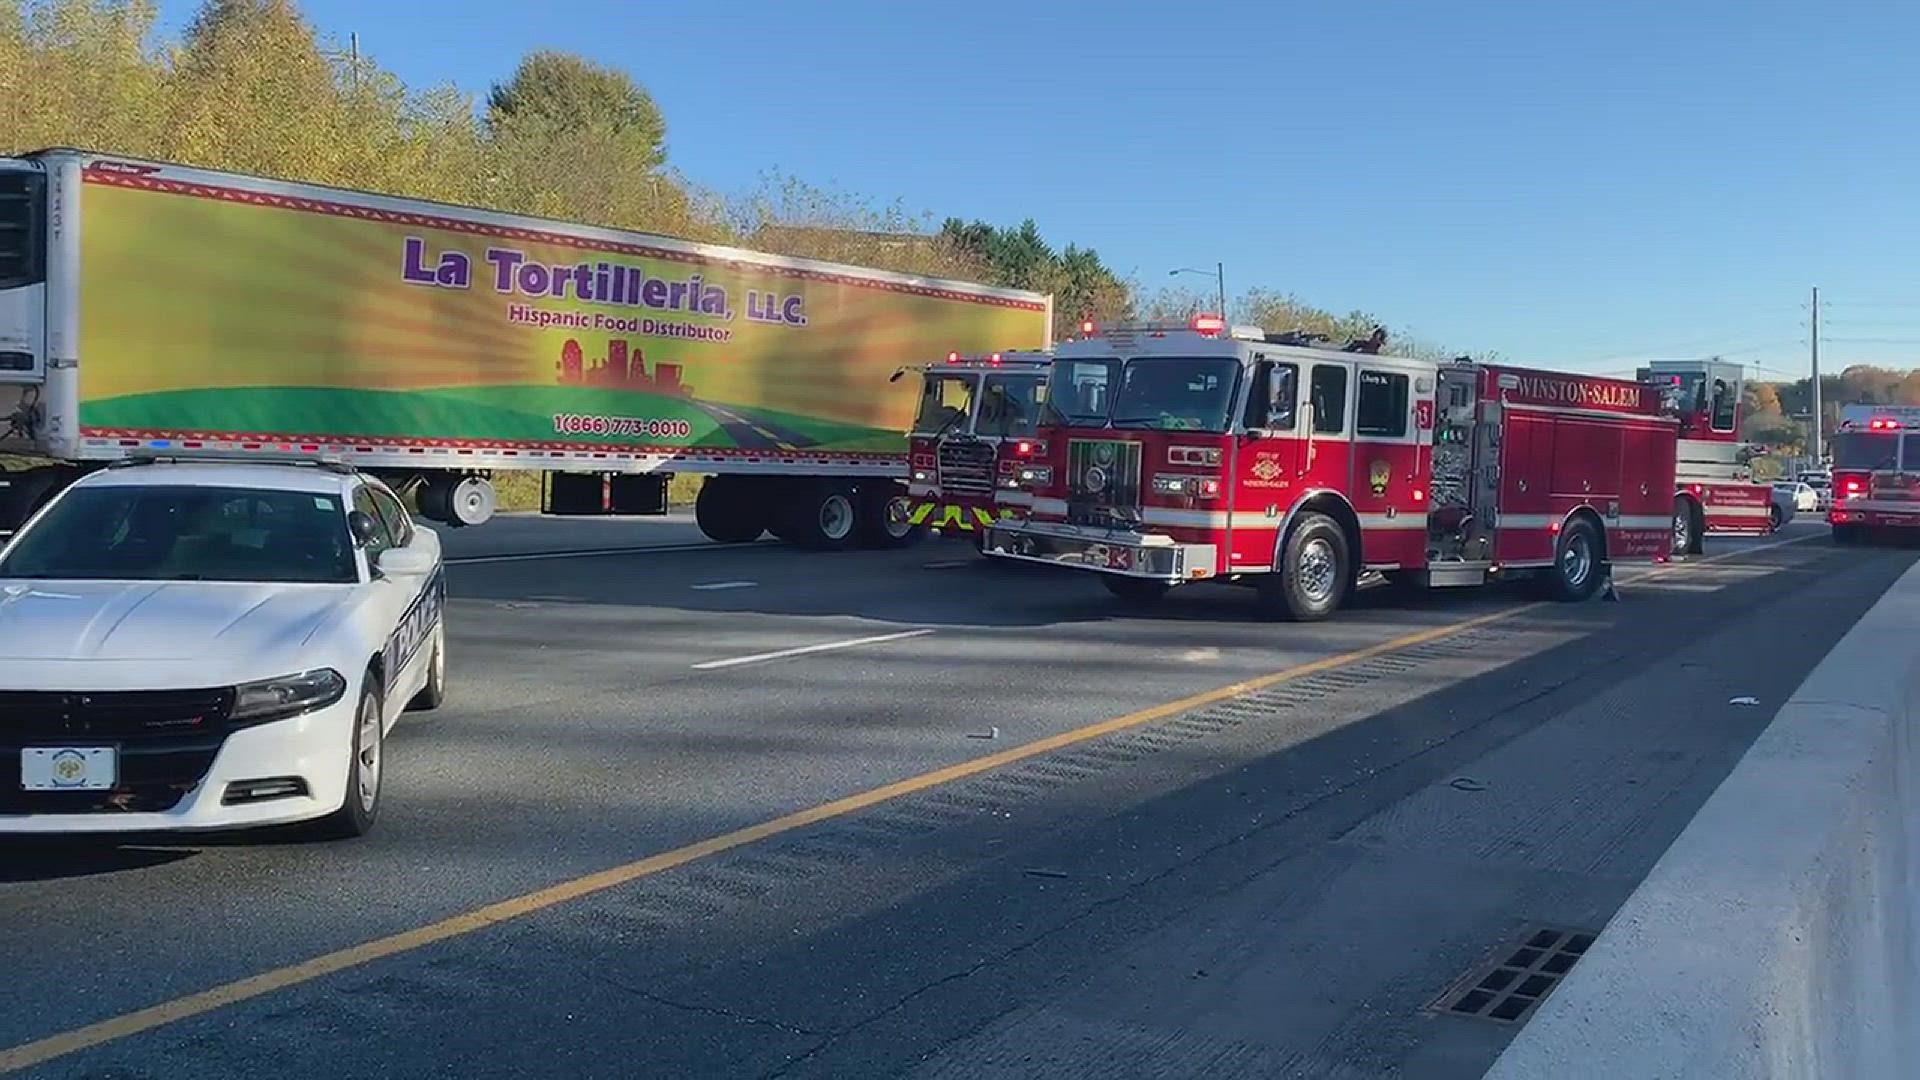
{"type": "Point", "coordinates": [1377, 476]}
{"type": "Point", "coordinates": [1266, 467]}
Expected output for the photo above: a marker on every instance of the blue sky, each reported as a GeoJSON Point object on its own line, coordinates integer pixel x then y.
{"type": "Point", "coordinates": [1575, 185]}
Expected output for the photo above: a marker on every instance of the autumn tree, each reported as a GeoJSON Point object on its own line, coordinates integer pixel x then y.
{"type": "Point", "coordinates": [788, 216]}
{"type": "Point", "coordinates": [79, 73]}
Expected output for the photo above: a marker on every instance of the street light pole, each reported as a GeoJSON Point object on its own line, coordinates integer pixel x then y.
{"type": "Point", "coordinates": [1219, 278]}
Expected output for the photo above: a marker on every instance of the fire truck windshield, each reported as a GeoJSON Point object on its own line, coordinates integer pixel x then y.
{"type": "Point", "coordinates": [1176, 393]}
{"type": "Point", "coordinates": [1010, 405]}
{"type": "Point", "coordinates": [945, 401]}
{"type": "Point", "coordinates": [1877, 451]}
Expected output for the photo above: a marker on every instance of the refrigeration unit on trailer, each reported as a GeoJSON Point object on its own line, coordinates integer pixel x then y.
{"type": "Point", "coordinates": [1723, 484]}
{"type": "Point", "coordinates": [1195, 452]}
{"type": "Point", "coordinates": [976, 428]}
{"type": "Point", "coordinates": [151, 307]}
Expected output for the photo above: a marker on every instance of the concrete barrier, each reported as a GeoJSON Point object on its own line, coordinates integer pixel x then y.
{"type": "Point", "coordinates": [1780, 934]}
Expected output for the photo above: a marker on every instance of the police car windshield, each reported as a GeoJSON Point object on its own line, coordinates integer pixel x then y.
{"type": "Point", "coordinates": [1171, 393]}
{"type": "Point", "coordinates": [167, 533]}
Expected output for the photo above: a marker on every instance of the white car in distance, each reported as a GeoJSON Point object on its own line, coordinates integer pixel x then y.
{"type": "Point", "coordinates": [1802, 495]}
{"type": "Point", "coordinates": [212, 645]}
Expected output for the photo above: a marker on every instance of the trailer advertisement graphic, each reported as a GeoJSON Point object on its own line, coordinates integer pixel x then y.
{"type": "Point", "coordinates": [216, 310]}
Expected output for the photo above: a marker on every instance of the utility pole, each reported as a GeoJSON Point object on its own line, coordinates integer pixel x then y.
{"type": "Point", "coordinates": [1814, 444]}
{"type": "Point", "coordinates": [353, 51]}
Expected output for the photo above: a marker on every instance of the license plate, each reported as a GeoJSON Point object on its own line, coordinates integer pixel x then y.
{"type": "Point", "coordinates": [68, 768]}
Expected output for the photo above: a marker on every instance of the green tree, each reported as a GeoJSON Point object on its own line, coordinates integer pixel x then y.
{"type": "Point", "coordinates": [1020, 258]}
{"type": "Point", "coordinates": [551, 92]}
{"type": "Point", "coordinates": [569, 138]}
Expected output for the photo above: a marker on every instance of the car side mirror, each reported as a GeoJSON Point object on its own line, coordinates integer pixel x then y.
{"type": "Point", "coordinates": [402, 562]}
{"type": "Point", "coordinates": [362, 526]}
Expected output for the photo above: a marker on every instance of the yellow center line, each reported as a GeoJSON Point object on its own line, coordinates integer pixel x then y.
{"type": "Point", "coordinates": [188, 1006]}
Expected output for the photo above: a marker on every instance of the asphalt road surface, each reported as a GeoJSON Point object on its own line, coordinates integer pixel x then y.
{"type": "Point", "coordinates": [744, 811]}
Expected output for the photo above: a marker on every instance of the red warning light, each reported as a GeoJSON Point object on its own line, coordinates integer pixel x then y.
{"type": "Point", "coordinates": [1086, 327]}
{"type": "Point", "coordinates": [1882, 423]}
{"type": "Point", "coordinates": [1208, 324]}
{"type": "Point", "coordinates": [953, 358]}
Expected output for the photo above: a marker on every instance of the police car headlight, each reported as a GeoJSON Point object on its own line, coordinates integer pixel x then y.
{"type": "Point", "coordinates": [286, 696]}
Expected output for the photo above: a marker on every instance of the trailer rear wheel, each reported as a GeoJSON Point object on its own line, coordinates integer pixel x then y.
{"type": "Point", "coordinates": [729, 510]}
{"type": "Point", "coordinates": [884, 509]}
{"type": "Point", "coordinates": [821, 517]}
{"type": "Point", "coordinates": [472, 501]}
{"type": "Point", "coordinates": [1577, 563]}
{"type": "Point", "coordinates": [1314, 572]}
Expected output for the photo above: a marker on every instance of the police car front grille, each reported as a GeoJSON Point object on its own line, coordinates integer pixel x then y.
{"type": "Point", "coordinates": [117, 714]}
{"type": "Point", "coordinates": [966, 468]}
{"type": "Point", "coordinates": [167, 740]}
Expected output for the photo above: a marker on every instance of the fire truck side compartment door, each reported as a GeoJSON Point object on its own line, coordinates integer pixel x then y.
{"type": "Point", "coordinates": [1526, 463]}
{"type": "Point", "coordinates": [1586, 460]}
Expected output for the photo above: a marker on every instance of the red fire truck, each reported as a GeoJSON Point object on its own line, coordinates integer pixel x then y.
{"type": "Point", "coordinates": [977, 425]}
{"type": "Point", "coordinates": [1195, 452]}
{"type": "Point", "coordinates": [1723, 484]}
{"type": "Point", "coordinates": [1876, 471]}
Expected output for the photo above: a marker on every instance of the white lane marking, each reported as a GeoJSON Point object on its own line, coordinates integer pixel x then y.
{"type": "Point", "coordinates": [713, 665]}
{"type": "Point", "coordinates": [711, 586]}
{"type": "Point", "coordinates": [654, 549]}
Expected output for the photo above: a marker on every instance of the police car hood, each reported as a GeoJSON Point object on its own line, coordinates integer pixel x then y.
{"type": "Point", "coordinates": [219, 631]}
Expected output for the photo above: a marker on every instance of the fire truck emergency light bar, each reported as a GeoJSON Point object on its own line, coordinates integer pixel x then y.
{"type": "Point", "coordinates": [1205, 324]}
{"type": "Point", "coordinates": [995, 359]}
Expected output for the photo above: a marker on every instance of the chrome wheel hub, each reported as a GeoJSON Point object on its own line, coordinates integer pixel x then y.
{"type": "Point", "coordinates": [1317, 571]}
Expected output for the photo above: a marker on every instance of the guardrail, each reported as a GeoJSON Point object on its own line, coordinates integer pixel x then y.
{"type": "Point", "coordinates": [1780, 935]}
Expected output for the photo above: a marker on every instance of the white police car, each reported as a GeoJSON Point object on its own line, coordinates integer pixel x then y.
{"type": "Point", "coordinates": [212, 646]}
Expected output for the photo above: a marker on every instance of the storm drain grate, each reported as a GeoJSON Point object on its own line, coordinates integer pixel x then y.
{"type": "Point", "coordinates": [1519, 976]}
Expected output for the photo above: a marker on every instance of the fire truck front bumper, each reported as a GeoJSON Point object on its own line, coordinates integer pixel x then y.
{"type": "Point", "coordinates": [1877, 516]}
{"type": "Point", "coordinates": [1120, 552]}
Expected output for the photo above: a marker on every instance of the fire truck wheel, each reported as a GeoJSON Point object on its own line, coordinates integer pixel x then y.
{"type": "Point", "coordinates": [1313, 574]}
{"type": "Point", "coordinates": [1773, 517]}
{"type": "Point", "coordinates": [1133, 590]}
{"type": "Point", "coordinates": [1686, 527]}
{"type": "Point", "coordinates": [1577, 565]}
